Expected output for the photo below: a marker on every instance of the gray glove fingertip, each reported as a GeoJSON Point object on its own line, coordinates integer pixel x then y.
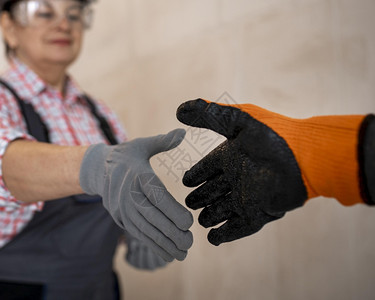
{"type": "Point", "coordinates": [186, 241]}
{"type": "Point", "coordinates": [163, 142]}
{"type": "Point", "coordinates": [186, 221]}
{"type": "Point", "coordinates": [181, 255]}
{"type": "Point", "coordinates": [175, 136]}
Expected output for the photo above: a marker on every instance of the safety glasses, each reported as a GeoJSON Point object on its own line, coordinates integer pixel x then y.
{"type": "Point", "coordinates": [48, 13]}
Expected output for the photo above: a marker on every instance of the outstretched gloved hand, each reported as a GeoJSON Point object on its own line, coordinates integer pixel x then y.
{"type": "Point", "coordinates": [135, 197]}
{"type": "Point", "coordinates": [268, 165]}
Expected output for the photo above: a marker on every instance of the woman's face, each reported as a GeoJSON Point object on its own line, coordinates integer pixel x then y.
{"type": "Point", "coordinates": [46, 31]}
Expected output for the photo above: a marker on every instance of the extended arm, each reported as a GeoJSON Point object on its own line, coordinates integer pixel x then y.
{"type": "Point", "coordinates": [271, 164]}
{"type": "Point", "coordinates": [35, 171]}
{"type": "Point", "coordinates": [122, 175]}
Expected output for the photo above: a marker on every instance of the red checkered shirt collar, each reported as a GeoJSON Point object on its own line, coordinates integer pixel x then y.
{"type": "Point", "coordinates": [29, 85]}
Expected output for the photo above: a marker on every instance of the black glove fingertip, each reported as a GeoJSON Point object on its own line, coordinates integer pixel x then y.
{"type": "Point", "coordinates": [187, 180]}
{"type": "Point", "coordinates": [186, 112]}
{"type": "Point", "coordinates": [204, 220]}
{"type": "Point", "coordinates": [191, 203]}
{"type": "Point", "coordinates": [214, 238]}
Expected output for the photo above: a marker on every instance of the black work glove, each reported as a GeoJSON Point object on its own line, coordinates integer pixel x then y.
{"type": "Point", "coordinates": [249, 180]}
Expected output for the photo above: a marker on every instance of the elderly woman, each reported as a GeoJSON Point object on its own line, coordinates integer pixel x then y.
{"type": "Point", "coordinates": [61, 163]}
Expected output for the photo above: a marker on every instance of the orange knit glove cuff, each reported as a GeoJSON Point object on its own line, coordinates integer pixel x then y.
{"type": "Point", "coordinates": [326, 149]}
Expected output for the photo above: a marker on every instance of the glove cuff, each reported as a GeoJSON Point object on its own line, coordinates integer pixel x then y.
{"type": "Point", "coordinates": [92, 168]}
{"type": "Point", "coordinates": [326, 149]}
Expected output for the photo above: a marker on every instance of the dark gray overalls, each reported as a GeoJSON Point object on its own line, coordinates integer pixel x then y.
{"type": "Point", "coordinates": [66, 250]}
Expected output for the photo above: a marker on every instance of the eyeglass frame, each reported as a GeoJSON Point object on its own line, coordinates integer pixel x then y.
{"type": "Point", "coordinates": [86, 24]}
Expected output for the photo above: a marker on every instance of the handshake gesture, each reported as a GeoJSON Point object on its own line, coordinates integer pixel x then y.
{"type": "Point", "coordinates": [268, 165]}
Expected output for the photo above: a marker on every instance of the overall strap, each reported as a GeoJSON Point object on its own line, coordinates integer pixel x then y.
{"type": "Point", "coordinates": [37, 128]}
{"type": "Point", "coordinates": [104, 125]}
{"type": "Point", "coordinates": [35, 125]}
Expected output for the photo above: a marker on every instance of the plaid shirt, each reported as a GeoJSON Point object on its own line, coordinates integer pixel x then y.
{"type": "Point", "coordinates": [68, 118]}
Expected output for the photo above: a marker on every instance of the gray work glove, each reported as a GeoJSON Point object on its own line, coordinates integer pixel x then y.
{"type": "Point", "coordinates": [140, 256]}
{"type": "Point", "coordinates": [135, 197]}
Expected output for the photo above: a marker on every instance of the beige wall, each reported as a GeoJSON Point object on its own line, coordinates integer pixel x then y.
{"type": "Point", "coordinates": [296, 57]}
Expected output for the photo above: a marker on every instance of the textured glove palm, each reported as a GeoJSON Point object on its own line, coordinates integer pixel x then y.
{"type": "Point", "coordinates": [135, 197]}
{"type": "Point", "coordinates": [249, 180]}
